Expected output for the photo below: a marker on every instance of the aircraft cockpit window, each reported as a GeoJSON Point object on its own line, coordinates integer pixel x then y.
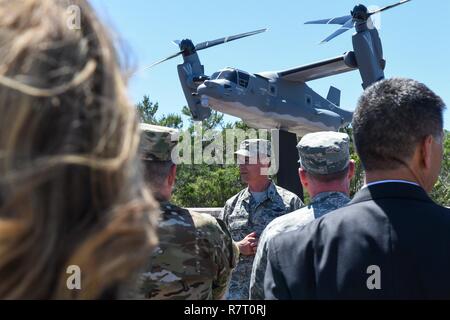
{"type": "Point", "coordinates": [215, 75]}
{"type": "Point", "coordinates": [230, 75]}
{"type": "Point", "coordinates": [244, 78]}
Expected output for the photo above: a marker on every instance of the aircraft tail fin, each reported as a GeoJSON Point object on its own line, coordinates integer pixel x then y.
{"type": "Point", "coordinates": [334, 96]}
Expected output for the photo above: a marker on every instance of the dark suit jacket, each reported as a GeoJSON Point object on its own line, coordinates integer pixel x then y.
{"type": "Point", "coordinates": [393, 226]}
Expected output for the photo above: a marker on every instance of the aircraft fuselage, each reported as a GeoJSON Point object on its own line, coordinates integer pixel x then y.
{"type": "Point", "coordinates": [265, 101]}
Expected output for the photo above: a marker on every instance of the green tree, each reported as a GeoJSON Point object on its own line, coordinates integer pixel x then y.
{"type": "Point", "coordinates": [358, 180]}
{"type": "Point", "coordinates": [147, 113]}
{"type": "Point", "coordinates": [147, 110]}
{"type": "Point", "coordinates": [441, 191]}
{"type": "Point", "coordinates": [214, 121]}
{"type": "Point", "coordinates": [172, 120]}
{"type": "Point", "coordinates": [206, 186]}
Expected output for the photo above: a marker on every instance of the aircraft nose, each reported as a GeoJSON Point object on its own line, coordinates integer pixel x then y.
{"type": "Point", "coordinates": [210, 88]}
{"type": "Point", "coordinates": [211, 84]}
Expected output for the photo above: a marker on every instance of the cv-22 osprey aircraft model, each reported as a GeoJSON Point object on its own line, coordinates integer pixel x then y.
{"type": "Point", "coordinates": [282, 99]}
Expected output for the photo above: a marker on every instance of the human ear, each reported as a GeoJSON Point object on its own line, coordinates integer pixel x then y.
{"type": "Point", "coordinates": [303, 177]}
{"type": "Point", "coordinates": [172, 176]}
{"type": "Point", "coordinates": [426, 151]}
{"type": "Point", "coordinates": [351, 170]}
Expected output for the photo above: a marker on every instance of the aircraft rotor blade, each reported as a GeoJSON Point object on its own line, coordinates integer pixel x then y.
{"type": "Point", "coordinates": [163, 60]}
{"type": "Point", "coordinates": [339, 20]}
{"type": "Point", "coordinates": [389, 7]}
{"type": "Point", "coordinates": [347, 26]}
{"type": "Point", "coordinates": [209, 44]}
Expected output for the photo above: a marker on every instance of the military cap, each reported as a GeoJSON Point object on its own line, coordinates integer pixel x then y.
{"type": "Point", "coordinates": [252, 147]}
{"type": "Point", "coordinates": [324, 153]}
{"type": "Point", "coordinates": [157, 142]}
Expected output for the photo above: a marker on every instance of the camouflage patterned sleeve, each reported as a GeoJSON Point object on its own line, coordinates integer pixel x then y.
{"type": "Point", "coordinates": [256, 290]}
{"type": "Point", "coordinates": [227, 209]}
{"type": "Point", "coordinates": [226, 256]}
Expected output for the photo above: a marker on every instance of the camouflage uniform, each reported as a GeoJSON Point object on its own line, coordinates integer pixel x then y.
{"type": "Point", "coordinates": [320, 205]}
{"type": "Point", "coordinates": [243, 215]}
{"type": "Point", "coordinates": [193, 260]}
{"type": "Point", "coordinates": [320, 153]}
{"type": "Point", "coordinates": [196, 254]}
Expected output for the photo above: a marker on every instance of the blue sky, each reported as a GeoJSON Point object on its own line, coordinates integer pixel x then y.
{"type": "Point", "coordinates": [415, 39]}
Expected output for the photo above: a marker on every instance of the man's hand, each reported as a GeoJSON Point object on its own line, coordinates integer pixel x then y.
{"type": "Point", "coordinates": [248, 245]}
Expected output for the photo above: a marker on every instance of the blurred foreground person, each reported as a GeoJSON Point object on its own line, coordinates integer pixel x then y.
{"type": "Point", "coordinates": [391, 241]}
{"type": "Point", "coordinates": [325, 172]}
{"type": "Point", "coordinates": [196, 254]}
{"type": "Point", "coordinates": [72, 199]}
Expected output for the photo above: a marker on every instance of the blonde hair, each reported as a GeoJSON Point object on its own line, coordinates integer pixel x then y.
{"type": "Point", "coordinates": [71, 191]}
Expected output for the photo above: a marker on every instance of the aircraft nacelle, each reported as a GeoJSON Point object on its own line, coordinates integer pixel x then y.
{"type": "Point", "coordinates": [368, 54]}
{"type": "Point", "coordinates": [192, 74]}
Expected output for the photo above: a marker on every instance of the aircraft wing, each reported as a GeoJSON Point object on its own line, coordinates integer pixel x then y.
{"type": "Point", "coordinates": [322, 69]}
